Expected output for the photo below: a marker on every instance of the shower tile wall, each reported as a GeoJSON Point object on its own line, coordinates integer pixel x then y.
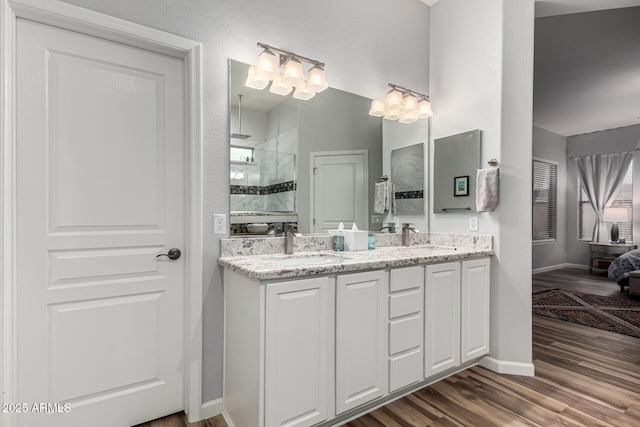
{"type": "Point", "coordinates": [274, 168]}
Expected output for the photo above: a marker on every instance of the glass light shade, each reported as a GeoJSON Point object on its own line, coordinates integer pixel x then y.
{"type": "Point", "coordinates": [410, 104]}
{"type": "Point", "coordinates": [292, 72]}
{"type": "Point", "coordinates": [267, 65]}
{"type": "Point", "coordinates": [424, 109]}
{"type": "Point", "coordinates": [377, 108]}
{"type": "Point", "coordinates": [391, 114]}
{"type": "Point", "coordinates": [254, 81]}
{"type": "Point", "coordinates": [393, 100]}
{"type": "Point", "coordinates": [408, 116]}
{"type": "Point", "coordinates": [316, 79]}
{"type": "Point", "coordinates": [303, 92]}
{"type": "Point", "coordinates": [279, 87]}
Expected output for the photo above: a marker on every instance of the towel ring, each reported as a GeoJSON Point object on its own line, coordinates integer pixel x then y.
{"type": "Point", "coordinates": [494, 163]}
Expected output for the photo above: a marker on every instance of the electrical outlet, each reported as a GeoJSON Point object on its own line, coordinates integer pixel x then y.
{"type": "Point", "coordinates": [473, 223]}
{"type": "Point", "coordinates": [376, 219]}
{"type": "Point", "coordinates": [219, 224]}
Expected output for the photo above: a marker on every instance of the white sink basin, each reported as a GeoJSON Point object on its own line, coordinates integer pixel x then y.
{"type": "Point", "coordinates": [292, 260]}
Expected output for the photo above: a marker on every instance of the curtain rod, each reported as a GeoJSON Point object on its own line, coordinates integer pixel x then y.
{"type": "Point", "coordinates": [635, 150]}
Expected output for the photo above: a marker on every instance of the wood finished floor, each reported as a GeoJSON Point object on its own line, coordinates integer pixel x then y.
{"type": "Point", "coordinates": [584, 377]}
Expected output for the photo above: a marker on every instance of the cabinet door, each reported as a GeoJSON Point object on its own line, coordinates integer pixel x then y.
{"type": "Point", "coordinates": [475, 308]}
{"type": "Point", "coordinates": [442, 318]}
{"type": "Point", "coordinates": [297, 352]}
{"type": "Point", "coordinates": [361, 338]}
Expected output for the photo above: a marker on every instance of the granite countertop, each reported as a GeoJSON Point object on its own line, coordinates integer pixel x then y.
{"type": "Point", "coordinates": [279, 266]}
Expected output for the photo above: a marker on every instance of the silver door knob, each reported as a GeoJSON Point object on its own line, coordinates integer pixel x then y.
{"type": "Point", "coordinates": [173, 254]}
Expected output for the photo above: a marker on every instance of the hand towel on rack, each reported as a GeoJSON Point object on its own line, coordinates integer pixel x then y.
{"type": "Point", "coordinates": [381, 203]}
{"type": "Point", "coordinates": [487, 189]}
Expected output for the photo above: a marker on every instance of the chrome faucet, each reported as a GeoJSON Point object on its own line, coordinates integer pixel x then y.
{"type": "Point", "coordinates": [406, 228]}
{"type": "Point", "coordinates": [390, 226]}
{"type": "Point", "coordinates": [290, 231]}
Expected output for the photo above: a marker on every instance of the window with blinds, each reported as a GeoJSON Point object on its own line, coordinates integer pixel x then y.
{"type": "Point", "coordinates": [544, 201]}
{"type": "Point", "coordinates": [587, 216]}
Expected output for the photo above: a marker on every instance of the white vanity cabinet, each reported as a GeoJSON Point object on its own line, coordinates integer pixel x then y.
{"type": "Point", "coordinates": [279, 351]}
{"type": "Point", "coordinates": [303, 351]}
{"type": "Point", "coordinates": [456, 314]}
{"type": "Point", "coordinates": [361, 338]}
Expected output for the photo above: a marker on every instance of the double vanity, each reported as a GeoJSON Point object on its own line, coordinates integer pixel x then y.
{"type": "Point", "coordinates": [319, 337]}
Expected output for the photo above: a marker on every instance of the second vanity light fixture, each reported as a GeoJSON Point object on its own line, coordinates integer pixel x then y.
{"type": "Point", "coordinates": [285, 72]}
{"type": "Point", "coordinates": [402, 104]}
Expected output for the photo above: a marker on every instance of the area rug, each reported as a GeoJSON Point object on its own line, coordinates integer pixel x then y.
{"type": "Point", "coordinates": [614, 313]}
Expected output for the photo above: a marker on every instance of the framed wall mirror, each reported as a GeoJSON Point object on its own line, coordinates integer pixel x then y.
{"type": "Point", "coordinates": [456, 162]}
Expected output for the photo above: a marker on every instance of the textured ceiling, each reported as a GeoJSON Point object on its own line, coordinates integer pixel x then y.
{"type": "Point", "coordinates": [587, 71]}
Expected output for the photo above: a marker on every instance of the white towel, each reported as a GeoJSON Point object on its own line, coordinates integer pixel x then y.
{"type": "Point", "coordinates": [487, 189]}
{"type": "Point", "coordinates": [380, 204]}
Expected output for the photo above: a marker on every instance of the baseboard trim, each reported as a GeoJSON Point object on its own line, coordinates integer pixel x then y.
{"type": "Point", "coordinates": [227, 419]}
{"type": "Point", "coordinates": [507, 367]}
{"type": "Point", "coordinates": [558, 266]}
{"type": "Point", "coordinates": [211, 408]}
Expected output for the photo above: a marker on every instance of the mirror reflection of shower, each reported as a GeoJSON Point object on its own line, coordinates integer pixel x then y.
{"type": "Point", "coordinates": [240, 135]}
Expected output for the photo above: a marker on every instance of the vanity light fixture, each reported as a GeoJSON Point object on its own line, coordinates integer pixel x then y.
{"type": "Point", "coordinates": [286, 72]}
{"type": "Point", "coordinates": [402, 104]}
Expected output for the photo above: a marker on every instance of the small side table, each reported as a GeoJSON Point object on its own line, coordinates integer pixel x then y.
{"type": "Point", "coordinates": [603, 254]}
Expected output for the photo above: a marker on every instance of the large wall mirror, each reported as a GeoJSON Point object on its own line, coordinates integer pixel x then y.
{"type": "Point", "coordinates": [312, 162]}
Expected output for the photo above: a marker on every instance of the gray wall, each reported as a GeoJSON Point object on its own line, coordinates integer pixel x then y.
{"type": "Point", "coordinates": [482, 78]}
{"type": "Point", "coordinates": [335, 121]}
{"type": "Point", "coordinates": [608, 141]}
{"type": "Point", "coordinates": [550, 146]}
{"type": "Point", "coordinates": [343, 34]}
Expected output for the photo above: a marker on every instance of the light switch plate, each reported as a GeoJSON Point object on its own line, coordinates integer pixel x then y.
{"type": "Point", "coordinates": [473, 223]}
{"type": "Point", "coordinates": [219, 224]}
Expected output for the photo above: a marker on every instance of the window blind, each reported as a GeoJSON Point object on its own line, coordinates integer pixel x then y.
{"type": "Point", "coordinates": [544, 201]}
{"type": "Point", "coordinates": [623, 199]}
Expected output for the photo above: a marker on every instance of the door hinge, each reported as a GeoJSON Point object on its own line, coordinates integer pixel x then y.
{"type": "Point", "coordinates": [314, 221]}
{"type": "Point", "coordinates": [314, 170]}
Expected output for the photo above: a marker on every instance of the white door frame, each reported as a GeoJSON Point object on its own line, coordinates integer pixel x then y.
{"type": "Point", "coordinates": [312, 185]}
{"type": "Point", "coordinates": [85, 21]}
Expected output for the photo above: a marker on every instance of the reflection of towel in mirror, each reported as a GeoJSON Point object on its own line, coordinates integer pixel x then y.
{"type": "Point", "coordinates": [487, 188]}
{"type": "Point", "coordinates": [392, 196]}
{"type": "Point", "coordinates": [381, 203]}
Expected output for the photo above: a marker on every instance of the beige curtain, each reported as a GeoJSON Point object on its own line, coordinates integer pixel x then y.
{"type": "Point", "coordinates": [601, 176]}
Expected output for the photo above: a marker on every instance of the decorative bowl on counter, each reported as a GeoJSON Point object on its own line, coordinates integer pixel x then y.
{"type": "Point", "coordinates": [257, 228]}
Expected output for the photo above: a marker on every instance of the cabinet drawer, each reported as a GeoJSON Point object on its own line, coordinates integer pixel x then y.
{"type": "Point", "coordinates": [405, 334]}
{"type": "Point", "coordinates": [405, 303]}
{"type": "Point", "coordinates": [404, 370]}
{"type": "Point", "coordinates": [406, 278]}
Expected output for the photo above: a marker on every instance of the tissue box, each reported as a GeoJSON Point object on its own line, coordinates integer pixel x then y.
{"type": "Point", "coordinates": [356, 240]}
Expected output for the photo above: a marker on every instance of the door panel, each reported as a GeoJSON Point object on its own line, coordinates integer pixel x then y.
{"type": "Point", "coordinates": [100, 140]}
{"type": "Point", "coordinates": [476, 285]}
{"type": "Point", "coordinates": [340, 193]}
{"type": "Point", "coordinates": [361, 338]}
{"type": "Point", "coordinates": [297, 355]}
{"type": "Point", "coordinates": [442, 318]}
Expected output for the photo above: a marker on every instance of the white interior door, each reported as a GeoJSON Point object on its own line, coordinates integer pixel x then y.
{"type": "Point", "coordinates": [340, 192]}
{"type": "Point", "coordinates": [100, 192]}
